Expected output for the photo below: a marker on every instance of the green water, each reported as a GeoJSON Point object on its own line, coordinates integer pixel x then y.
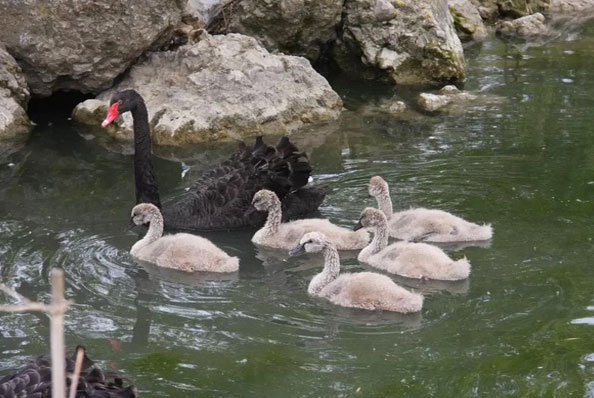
{"type": "Point", "coordinates": [521, 157]}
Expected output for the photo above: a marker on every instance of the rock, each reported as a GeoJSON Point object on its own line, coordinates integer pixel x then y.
{"type": "Point", "coordinates": [447, 96]}
{"type": "Point", "coordinates": [297, 27]}
{"type": "Point", "coordinates": [467, 20]}
{"type": "Point", "coordinates": [493, 9]}
{"type": "Point", "coordinates": [83, 45]}
{"type": "Point", "coordinates": [395, 107]}
{"type": "Point", "coordinates": [432, 102]}
{"type": "Point", "coordinates": [14, 123]}
{"type": "Point", "coordinates": [223, 87]}
{"type": "Point", "coordinates": [487, 9]}
{"type": "Point", "coordinates": [404, 41]}
{"type": "Point", "coordinates": [382, 106]}
{"type": "Point", "coordinates": [570, 6]}
{"type": "Point", "coordinates": [520, 8]}
{"type": "Point", "coordinates": [205, 10]}
{"type": "Point", "coordinates": [526, 28]}
{"type": "Point", "coordinates": [14, 95]}
{"type": "Point", "coordinates": [188, 30]}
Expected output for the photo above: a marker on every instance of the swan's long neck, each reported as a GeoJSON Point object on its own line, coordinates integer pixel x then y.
{"type": "Point", "coordinates": [273, 221]}
{"type": "Point", "coordinates": [154, 232]}
{"type": "Point", "coordinates": [384, 203]}
{"type": "Point", "coordinates": [330, 272]}
{"type": "Point", "coordinates": [147, 190]}
{"type": "Point", "coordinates": [380, 239]}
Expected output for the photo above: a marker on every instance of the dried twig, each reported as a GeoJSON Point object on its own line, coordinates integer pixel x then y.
{"type": "Point", "coordinates": [56, 310]}
{"type": "Point", "coordinates": [25, 307]}
{"type": "Point", "coordinates": [80, 353]}
{"type": "Point", "coordinates": [13, 293]}
{"type": "Point", "coordinates": [57, 334]}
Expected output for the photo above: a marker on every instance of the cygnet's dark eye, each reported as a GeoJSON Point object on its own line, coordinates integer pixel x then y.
{"type": "Point", "coordinates": [309, 241]}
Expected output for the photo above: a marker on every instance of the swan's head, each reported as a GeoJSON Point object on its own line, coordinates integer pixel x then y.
{"type": "Point", "coordinates": [144, 213]}
{"type": "Point", "coordinates": [371, 218]}
{"type": "Point", "coordinates": [377, 186]}
{"type": "Point", "coordinates": [121, 102]}
{"type": "Point", "coordinates": [311, 242]}
{"type": "Point", "coordinates": [264, 200]}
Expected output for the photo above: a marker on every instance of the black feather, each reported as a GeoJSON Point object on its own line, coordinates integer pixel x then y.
{"type": "Point", "coordinates": [220, 199]}
{"type": "Point", "coordinates": [34, 381]}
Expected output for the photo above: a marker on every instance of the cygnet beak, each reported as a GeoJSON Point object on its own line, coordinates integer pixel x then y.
{"type": "Point", "coordinates": [358, 226]}
{"type": "Point", "coordinates": [297, 250]}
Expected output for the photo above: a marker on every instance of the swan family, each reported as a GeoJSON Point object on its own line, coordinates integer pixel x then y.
{"type": "Point", "coordinates": [267, 186]}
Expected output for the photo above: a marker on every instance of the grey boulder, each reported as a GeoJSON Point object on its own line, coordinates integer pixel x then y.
{"type": "Point", "coordinates": [467, 20]}
{"type": "Point", "coordinates": [84, 44]}
{"type": "Point", "coordinates": [223, 87]}
{"type": "Point", "coordinates": [405, 41]}
{"type": "Point", "coordinates": [14, 95]}
{"type": "Point", "coordinates": [297, 27]}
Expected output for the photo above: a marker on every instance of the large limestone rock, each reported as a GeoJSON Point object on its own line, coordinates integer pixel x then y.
{"type": "Point", "coordinates": [467, 20]}
{"type": "Point", "coordinates": [298, 27]}
{"type": "Point", "coordinates": [405, 41]}
{"type": "Point", "coordinates": [83, 44]}
{"type": "Point", "coordinates": [14, 95]}
{"type": "Point", "coordinates": [223, 87]}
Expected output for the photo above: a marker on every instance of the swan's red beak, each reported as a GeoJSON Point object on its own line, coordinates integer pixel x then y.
{"type": "Point", "coordinates": [112, 113]}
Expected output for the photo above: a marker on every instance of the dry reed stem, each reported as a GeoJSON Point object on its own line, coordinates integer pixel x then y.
{"type": "Point", "coordinates": [80, 353]}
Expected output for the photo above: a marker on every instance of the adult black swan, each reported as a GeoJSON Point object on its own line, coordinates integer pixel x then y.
{"type": "Point", "coordinates": [221, 198]}
{"type": "Point", "coordinates": [34, 380]}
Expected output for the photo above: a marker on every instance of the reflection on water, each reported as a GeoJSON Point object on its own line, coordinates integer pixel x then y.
{"type": "Point", "coordinates": [521, 326]}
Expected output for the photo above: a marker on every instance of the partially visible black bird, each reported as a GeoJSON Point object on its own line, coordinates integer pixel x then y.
{"type": "Point", "coordinates": [34, 380]}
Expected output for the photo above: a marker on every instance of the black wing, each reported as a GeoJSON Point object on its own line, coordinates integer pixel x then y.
{"type": "Point", "coordinates": [221, 197]}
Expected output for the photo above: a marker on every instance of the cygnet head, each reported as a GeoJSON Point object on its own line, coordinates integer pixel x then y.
{"type": "Point", "coordinates": [370, 218]}
{"type": "Point", "coordinates": [311, 242]}
{"type": "Point", "coordinates": [143, 213]}
{"type": "Point", "coordinates": [264, 199]}
{"type": "Point", "coordinates": [377, 186]}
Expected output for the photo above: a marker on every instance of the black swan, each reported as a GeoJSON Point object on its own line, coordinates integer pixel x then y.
{"type": "Point", "coordinates": [221, 198]}
{"type": "Point", "coordinates": [34, 381]}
